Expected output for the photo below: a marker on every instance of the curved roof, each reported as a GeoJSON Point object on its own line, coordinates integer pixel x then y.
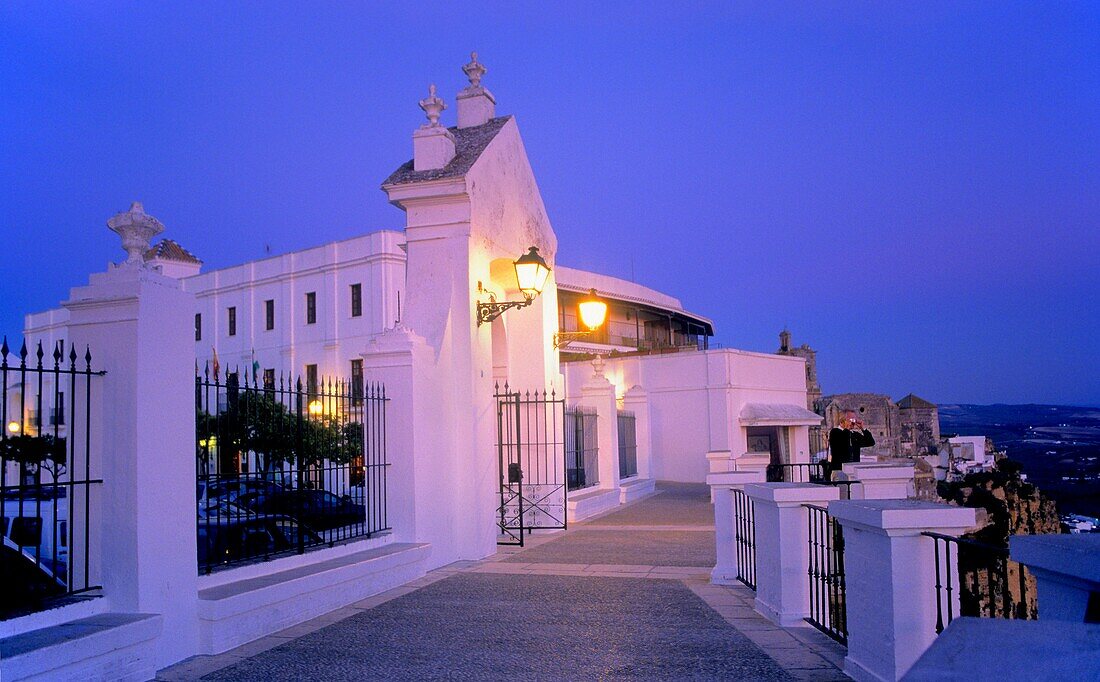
{"type": "Point", "coordinates": [580, 281]}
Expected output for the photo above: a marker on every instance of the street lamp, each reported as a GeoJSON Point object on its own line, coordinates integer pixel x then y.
{"type": "Point", "coordinates": [316, 408]}
{"type": "Point", "coordinates": [593, 310]}
{"type": "Point", "coordinates": [531, 274]}
{"type": "Point", "coordinates": [13, 427]}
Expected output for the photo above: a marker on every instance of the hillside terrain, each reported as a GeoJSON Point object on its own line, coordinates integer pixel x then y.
{"type": "Point", "coordinates": [1058, 446]}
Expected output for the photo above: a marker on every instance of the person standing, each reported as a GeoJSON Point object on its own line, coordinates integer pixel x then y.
{"type": "Point", "coordinates": [846, 440]}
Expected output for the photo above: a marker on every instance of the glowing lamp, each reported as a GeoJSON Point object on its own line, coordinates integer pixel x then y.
{"type": "Point", "coordinates": [315, 407]}
{"type": "Point", "coordinates": [13, 427]}
{"type": "Point", "coordinates": [593, 310]}
{"type": "Point", "coordinates": [531, 273]}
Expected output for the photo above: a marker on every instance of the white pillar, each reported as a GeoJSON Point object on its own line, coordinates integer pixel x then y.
{"type": "Point", "coordinates": [636, 400]}
{"type": "Point", "coordinates": [890, 580]}
{"type": "Point", "coordinates": [599, 393]}
{"type": "Point", "coordinates": [782, 549]}
{"type": "Point", "coordinates": [722, 486]}
{"type": "Point", "coordinates": [879, 481]}
{"type": "Point", "coordinates": [138, 325]}
{"type": "Point", "coordinates": [1066, 570]}
{"type": "Point", "coordinates": [392, 360]}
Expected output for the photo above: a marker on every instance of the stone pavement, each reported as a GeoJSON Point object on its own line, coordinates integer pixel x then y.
{"type": "Point", "coordinates": [614, 598]}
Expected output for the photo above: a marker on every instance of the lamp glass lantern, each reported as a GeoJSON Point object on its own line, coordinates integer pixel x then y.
{"type": "Point", "coordinates": [531, 273]}
{"type": "Point", "coordinates": [593, 310]}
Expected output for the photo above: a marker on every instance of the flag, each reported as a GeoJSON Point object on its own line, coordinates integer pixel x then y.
{"type": "Point", "coordinates": [217, 365]}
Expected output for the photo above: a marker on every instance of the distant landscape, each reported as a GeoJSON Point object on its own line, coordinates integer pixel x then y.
{"type": "Point", "coordinates": [1058, 446]}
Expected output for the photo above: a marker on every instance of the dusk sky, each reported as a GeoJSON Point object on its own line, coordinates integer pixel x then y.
{"type": "Point", "coordinates": [912, 188]}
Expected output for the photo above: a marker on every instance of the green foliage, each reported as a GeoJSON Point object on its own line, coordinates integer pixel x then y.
{"type": "Point", "coordinates": [43, 451]}
{"type": "Point", "coordinates": [256, 422]}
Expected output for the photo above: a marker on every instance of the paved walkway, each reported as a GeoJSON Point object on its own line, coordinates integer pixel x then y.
{"type": "Point", "coordinates": [624, 596]}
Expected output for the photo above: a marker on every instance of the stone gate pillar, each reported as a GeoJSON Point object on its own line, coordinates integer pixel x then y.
{"type": "Point", "coordinates": [139, 327]}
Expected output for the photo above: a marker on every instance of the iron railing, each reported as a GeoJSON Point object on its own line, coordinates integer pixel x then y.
{"type": "Point", "coordinates": [581, 447]}
{"type": "Point", "coordinates": [46, 479]}
{"type": "Point", "coordinates": [744, 537]}
{"type": "Point", "coordinates": [982, 578]}
{"type": "Point", "coordinates": [828, 611]}
{"type": "Point", "coordinates": [284, 468]}
{"type": "Point", "coordinates": [628, 444]}
{"type": "Point", "coordinates": [807, 472]}
{"type": "Point", "coordinates": [531, 455]}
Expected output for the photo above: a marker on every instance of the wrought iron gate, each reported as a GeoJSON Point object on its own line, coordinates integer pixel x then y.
{"type": "Point", "coordinates": [531, 452]}
{"type": "Point", "coordinates": [582, 461]}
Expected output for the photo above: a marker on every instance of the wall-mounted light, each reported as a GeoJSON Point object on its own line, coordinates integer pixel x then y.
{"type": "Point", "coordinates": [593, 312]}
{"type": "Point", "coordinates": [531, 274]}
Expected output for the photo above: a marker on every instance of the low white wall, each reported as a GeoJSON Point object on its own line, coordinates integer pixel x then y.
{"type": "Point", "coordinates": [695, 398]}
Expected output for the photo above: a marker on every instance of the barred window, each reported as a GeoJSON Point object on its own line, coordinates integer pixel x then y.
{"type": "Point", "coordinates": [311, 307]}
{"type": "Point", "coordinates": [356, 300]}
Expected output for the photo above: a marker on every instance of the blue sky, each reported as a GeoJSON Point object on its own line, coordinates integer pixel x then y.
{"type": "Point", "coordinates": [913, 188]}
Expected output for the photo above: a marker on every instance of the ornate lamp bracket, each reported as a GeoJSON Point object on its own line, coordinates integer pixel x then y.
{"type": "Point", "coordinates": [563, 339]}
{"type": "Point", "coordinates": [487, 312]}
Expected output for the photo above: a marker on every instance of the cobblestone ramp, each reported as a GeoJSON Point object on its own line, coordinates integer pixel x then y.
{"type": "Point", "coordinates": [493, 627]}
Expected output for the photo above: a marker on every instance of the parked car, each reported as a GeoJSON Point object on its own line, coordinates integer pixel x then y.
{"type": "Point", "coordinates": [225, 540]}
{"type": "Point", "coordinates": [318, 509]}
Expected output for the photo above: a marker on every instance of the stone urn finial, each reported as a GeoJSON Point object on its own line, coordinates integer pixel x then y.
{"type": "Point", "coordinates": [433, 106]}
{"type": "Point", "coordinates": [597, 365]}
{"type": "Point", "coordinates": [136, 228]}
{"type": "Point", "coordinates": [474, 71]}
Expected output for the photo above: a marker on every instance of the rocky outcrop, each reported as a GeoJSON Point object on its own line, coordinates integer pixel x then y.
{"type": "Point", "coordinates": [1013, 506]}
{"type": "Point", "coordinates": [991, 584]}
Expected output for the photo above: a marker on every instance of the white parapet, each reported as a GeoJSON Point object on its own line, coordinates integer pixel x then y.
{"type": "Point", "coordinates": [890, 578]}
{"type": "Point", "coordinates": [722, 486]}
{"type": "Point", "coordinates": [879, 481]}
{"type": "Point", "coordinates": [1066, 570]}
{"type": "Point", "coordinates": [782, 547]}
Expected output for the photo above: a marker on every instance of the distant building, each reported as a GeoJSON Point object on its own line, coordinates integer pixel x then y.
{"type": "Point", "coordinates": [920, 426]}
{"type": "Point", "coordinates": [813, 389]}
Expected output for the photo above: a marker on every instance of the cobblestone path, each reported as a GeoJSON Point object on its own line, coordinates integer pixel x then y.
{"type": "Point", "coordinates": [622, 597]}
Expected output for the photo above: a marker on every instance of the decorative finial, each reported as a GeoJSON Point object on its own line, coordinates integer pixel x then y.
{"type": "Point", "coordinates": [433, 106]}
{"type": "Point", "coordinates": [136, 228]}
{"type": "Point", "coordinates": [474, 71]}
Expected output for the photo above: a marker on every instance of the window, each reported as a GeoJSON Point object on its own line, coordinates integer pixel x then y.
{"type": "Point", "coordinates": [311, 380]}
{"type": "Point", "coordinates": [269, 379]}
{"type": "Point", "coordinates": [198, 326]}
{"type": "Point", "coordinates": [356, 300]}
{"type": "Point", "coordinates": [57, 414]}
{"type": "Point", "coordinates": [233, 320]}
{"type": "Point", "coordinates": [357, 381]}
{"type": "Point", "coordinates": [311, 307]}
{"type": "Point", "coordinates": [269, 312]}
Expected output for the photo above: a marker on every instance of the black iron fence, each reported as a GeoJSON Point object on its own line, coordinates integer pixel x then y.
{"type": "Point", "coordinates": [798, 473]}
{"type": "Point", "coordinates": [283, 468]}
{"type": "Point", "coordinates": [531, 454]}
{"type": "Point", "coordinates": [581, 447]}
{"type": "Point", "coordinates": [983, 580]}
{"type": "Point", "coordinates": [628, 444]}
{"type": "Point", "coordinates": [46, 477]}
{"type": "Point", "coordinates": [815, 472]}
{"type": "Point", "coordinates": [744, 537]}
{"type": "Point", "coordinates": [826, 574]}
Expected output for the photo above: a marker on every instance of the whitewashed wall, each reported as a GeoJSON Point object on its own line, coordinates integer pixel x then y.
{"type": "Point", "coordinates": [695, 399]}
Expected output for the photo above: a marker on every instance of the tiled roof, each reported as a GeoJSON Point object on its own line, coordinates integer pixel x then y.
{"type": "Point", "coordinates": [166, 249]}
{"type": "Point", "coordinates": [911, 401]}
{"type": "Point", "coordinates": [469, 143]}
